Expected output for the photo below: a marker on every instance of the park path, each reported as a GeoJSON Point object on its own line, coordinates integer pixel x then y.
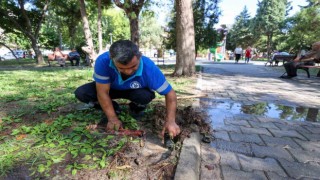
{"type": "Point", "coordinates": [248, 143]}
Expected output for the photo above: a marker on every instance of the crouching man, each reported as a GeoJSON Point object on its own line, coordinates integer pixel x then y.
{"type": "Point", "coordinates": [124, 73]}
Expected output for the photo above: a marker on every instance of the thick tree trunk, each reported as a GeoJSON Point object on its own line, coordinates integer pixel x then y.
{"type": "Point", "coordinates": [134, 30]}
{"type": "Point", "coordinates": [37, 51]}
{"type": "Point", "coordinates": [89, 49]}
{"type": "Point", "coordinates": [99, 26]}
{"type": "Point", "coordinates": [185, 62]}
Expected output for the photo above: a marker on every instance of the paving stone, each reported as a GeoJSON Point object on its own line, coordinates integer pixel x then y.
{"type": "Point", "coordinates": [281, 142]}
{"type": "Point", "coordinates": [304, 156]}
{"type": "Point", "coordinates": [237, 122]}
{"type": "Point", "coordinates": [301, 170]}
{"type": "Point", "coordinates": [236, 147]}
{"type": "Point", "coordinates": [265, 119]}
{"type": "Point", "coordinates": [229, 159]}
{"type": "Point", "coordinates": [272, 152]}
{"type": "Point", "coordinates": [309, 145]}
{"type": "Point", "coordinates": [222, 135]}
{"type": "Point", "coordinates": [267, 164]}
{"type": "Point", "coordinates": [312, 137]}
{"type": "Point", "coordinates": [268, 125]}
{"type": "Point", "coordinates": [295, 127]}
{"type": "Point", "coordinates": [210, 168]}
{"type": "Point", "coordinates": [228, 128]}
{"type": "Point", "coordinates": [275, 176]}
{"type": "Point", "coordinates": [287, 133]}
{"type": "Point", "coordinates": [247, 130]}
{"type": "Point", "coordinates": [229, 173]}
{"type": "Point", "coordinates": [249, 138]}
{"type": "Point", "coordinates": [315, 130]}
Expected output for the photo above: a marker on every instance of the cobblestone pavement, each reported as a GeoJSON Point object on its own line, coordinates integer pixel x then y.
{"type": "Point", "coordinates": [248, 146]}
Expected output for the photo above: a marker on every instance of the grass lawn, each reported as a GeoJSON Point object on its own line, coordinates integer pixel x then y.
{"type": "Point", "coordinates": [39, 128]}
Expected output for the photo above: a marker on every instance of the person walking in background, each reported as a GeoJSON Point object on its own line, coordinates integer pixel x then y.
{"type": "Point", "coordinates": [248, 54]}
{"type": "Point", "coordinates": [238, 53]}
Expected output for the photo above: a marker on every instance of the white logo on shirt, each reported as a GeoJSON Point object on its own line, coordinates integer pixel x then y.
{"type": "Point", "coordinates": [135, 85]}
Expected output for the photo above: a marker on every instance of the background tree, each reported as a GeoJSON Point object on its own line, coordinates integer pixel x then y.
{"type": "Point", "coordinates": [18, 18]}
{"type": "Point", "coordinates": [132, 9]}
{"type": "Point", "coordinates": [89, 49]}
{"type": "Point", "coordinates": [150, 31]}
{"type": "Point", "coordinates": [185, 62]}
{"type": "Point", "coordinates": [301, 28]}
{"type": "Point", "coordinates": [206, 13]}
{"type": "Point", "coordinates": [270, 14]}
{"type": "Point", "coordinates": [240, 33]}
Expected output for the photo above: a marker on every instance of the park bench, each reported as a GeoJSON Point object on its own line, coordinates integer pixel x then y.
{"type": "Point", "coordinates": [278, 58]}
{"type": "Point", "coordinates": [306, 68]}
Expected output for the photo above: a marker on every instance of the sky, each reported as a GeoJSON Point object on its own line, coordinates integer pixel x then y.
{"type": "Point", "coordinates": [232, 8]}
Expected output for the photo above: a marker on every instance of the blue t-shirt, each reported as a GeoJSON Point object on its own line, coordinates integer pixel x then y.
{"type": "Point", "coordinates": [148, 75]}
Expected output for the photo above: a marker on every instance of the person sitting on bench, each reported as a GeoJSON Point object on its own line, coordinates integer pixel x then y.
{"type": "Point", "coordinates": [74, 55]}
{"type": "Point", "coordinates": [58, 56]}
{"type": "Point", "coordinates": [308, 59]}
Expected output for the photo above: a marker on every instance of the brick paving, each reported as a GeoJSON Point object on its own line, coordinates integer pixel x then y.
{"type": "Point", "coordinates": [249, 146]}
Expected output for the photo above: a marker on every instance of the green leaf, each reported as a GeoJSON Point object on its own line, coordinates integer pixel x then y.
{"type": "Point", "coordinates": [74, 172]}
{"type": "Point", "coordinates": [15, 132]}
{"type": "Point", "coordinates": [102, 163]}
{"type": "Point", "coordinates": [41, 168]}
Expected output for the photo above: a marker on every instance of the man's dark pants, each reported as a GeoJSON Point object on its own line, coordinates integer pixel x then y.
{"type": "Point", "coordinates": [291, 69]}
{"type": "Point", "coordinates": [76, 58]}
{"type": "Point", "coordinates": [139, 97]}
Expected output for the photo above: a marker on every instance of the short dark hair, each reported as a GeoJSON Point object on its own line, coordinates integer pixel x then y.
{"type": "Point", "coordinates": [123, 51]}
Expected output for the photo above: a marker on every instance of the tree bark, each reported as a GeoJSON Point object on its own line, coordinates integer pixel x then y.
{"type": "Point", "coordinates": [185, 62]}
{"type": "Point", "coordinates": [99, 26]}
{"type": "Point", "coordinates": [132, 10]}
{"type": "Point", "coordinates": [134, 30]}
{"type": "Point", "coordinates": [89, 49]}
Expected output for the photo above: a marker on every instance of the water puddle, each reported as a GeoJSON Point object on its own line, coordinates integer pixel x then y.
{"type": "Point", "coordinates": [223, 109]}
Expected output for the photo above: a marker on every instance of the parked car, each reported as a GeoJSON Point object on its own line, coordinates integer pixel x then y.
{"type": "Point", "coordinates": [9, 55]}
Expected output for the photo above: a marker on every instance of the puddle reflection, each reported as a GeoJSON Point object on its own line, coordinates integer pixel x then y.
{"type": "Point", "coordinates": [222, 109]}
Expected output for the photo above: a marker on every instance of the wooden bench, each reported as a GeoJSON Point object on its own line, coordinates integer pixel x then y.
{"type": "Point", "coordinates": [306, 68]}
{"type": "Point", "coordinates": [277, 59]}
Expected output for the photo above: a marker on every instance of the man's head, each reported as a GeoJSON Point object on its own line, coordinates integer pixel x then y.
{"type": "Point", "coordinates": [316, 46]}
{"type": "Point", "coordinates": [57, 49]}
{"type": "Point", "coordinates": [123, 51]}
{"type": "Point", "coordinates": [126, 56]}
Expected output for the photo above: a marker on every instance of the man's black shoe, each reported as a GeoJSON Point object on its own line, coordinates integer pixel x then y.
{"type": "Point", "coordinates": [136, 115]}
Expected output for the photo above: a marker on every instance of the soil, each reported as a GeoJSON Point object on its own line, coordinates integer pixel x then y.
{"type": "Point", "coordinates": [148, 159]}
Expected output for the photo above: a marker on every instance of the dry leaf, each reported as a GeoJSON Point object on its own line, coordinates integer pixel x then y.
{"type": "Point", "coordinates": [21, 136]}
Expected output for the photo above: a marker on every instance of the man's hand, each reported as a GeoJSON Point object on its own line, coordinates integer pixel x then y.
{"type": "Point", "coordinates": [172, 128]}
{"type": "Point", "coordinates": [114, 124]}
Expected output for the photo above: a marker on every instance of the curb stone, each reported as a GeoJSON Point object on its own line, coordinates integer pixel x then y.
{"type": "Point", "coordinates": [189, 162]}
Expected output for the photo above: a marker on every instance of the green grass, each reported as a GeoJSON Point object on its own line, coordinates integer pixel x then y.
{"type": "Point", "coordinates": [35, 133]}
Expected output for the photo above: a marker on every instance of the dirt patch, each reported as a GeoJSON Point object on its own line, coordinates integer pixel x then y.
{"type": "Point", "coordinates": [146, 158]}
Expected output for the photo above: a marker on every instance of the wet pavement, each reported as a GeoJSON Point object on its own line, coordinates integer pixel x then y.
{"type": "Point", "coordinates": [264, 127]}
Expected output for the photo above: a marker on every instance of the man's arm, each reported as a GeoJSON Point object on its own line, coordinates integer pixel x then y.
{"type": "Point", "coordinates": [170, 125]}
{"type": "Point", "coordinates": [107, 107]}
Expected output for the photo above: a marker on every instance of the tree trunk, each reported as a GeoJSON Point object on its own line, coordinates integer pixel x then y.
{"type": "Point", "coordinates": [37, 51]}
{"type": "Point", "coordinates": [89, 49]}
{"type": "Point", "coordinates": [269, 44]}
{"type": "Point", "coordinates": [185, 62]}
{"type": "Point", "coordinates": [134, 30]}
{"type": "Point", "coordinates": [99, 26]}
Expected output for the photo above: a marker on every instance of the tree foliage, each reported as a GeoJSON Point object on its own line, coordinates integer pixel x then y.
{"type": "Point", "coordinates": [241, 33]}
{"type": "Point", "coordinates": [26, 18]}
{"type": "Point", "coordinates": [270, 15]}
